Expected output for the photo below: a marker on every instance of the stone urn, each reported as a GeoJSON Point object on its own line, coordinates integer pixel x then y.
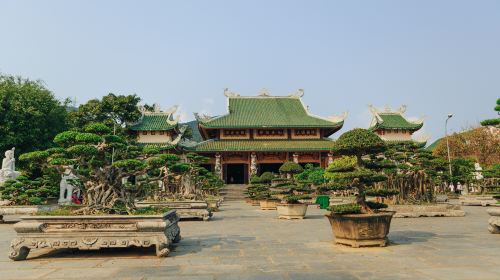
{"type": "Point", "coordinates": [291, 210]}
{"type": "Point", "coordinates": [494, 221]}
{"type": "Point", "coordinates": [95, 232]}
{"type": "Point", "coordinates": [358, 230]}
{"type": "Point", "coordinates": [268, 204]}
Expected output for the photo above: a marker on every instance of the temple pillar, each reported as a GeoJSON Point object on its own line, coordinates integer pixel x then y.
{"type": "Point", "coordinates": [218, 166]}
{"type": "Point", "coordinates": [330, 159]}
{"type": "Point", "coordinates": [253, 165]}
{"type": "Point", "coordinates": [296, 158]}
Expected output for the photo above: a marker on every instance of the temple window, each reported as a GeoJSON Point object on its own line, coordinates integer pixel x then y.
{"type": "Point", "coordinates": [234, 132]}
{"type": "Point", "coordinates": [305, 132]}
{"type": "Point", "coordinates": [153, 132]}
{"type": "Point", "coordinates": [162, 132]}
{"type": "Point", "coordinates": [144, 133]}
{"type": "Point", "coordinates": [270, 132]}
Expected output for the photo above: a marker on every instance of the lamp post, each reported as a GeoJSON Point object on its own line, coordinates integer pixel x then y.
{"type": "Point", "coordinates": [448, 145]}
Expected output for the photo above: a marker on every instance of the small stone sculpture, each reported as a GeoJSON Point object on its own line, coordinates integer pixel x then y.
{"type": "Point", "coordinates": [253, 165]}
{"type": "Point", "coordinates": [8, 170]}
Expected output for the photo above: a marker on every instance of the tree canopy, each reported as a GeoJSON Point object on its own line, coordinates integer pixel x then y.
{"type": "Point", "coordinates": [30, 115]}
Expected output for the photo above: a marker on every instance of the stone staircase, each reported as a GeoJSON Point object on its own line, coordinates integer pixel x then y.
{"type": "Point", "coordinates": [233, 192]}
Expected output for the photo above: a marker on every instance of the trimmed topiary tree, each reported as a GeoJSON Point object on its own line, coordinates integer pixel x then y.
{"type": "Point", "coordinates": [352, 170]}
{"type": "Point", "coordinates": [493, 122]}
{"type": "Point", "coordinates": [291, 168]}
{"type": "Point", "coordinates": [103, 163]}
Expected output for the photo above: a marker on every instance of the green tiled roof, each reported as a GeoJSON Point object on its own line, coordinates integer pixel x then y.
{"type": "Point", "coordinates": [395, 121]}
{"type": "Point", "coordinates": [153, 122]}
{"type": "Point", "coordinates": [265, 111]}
{"type": "Point", "coordinates": [161, 146]}
{"type": "Point", "coordinates": [264, 145]}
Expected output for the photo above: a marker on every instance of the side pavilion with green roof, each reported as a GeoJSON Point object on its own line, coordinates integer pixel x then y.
{"type": "Point", "coordinates": [158, 129]}
{"type": "Point", "coordinates": [393, 126]}
{"type": "Point", "coordinates": [259, 133]}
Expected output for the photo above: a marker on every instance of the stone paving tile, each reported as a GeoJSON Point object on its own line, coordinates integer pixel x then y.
{"type": "Point", "coordinates": [243, 242]}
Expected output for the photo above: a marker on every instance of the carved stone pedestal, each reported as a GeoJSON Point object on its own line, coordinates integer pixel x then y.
{"type": "Point", "coordinates": [185, 209]}
{"type": "Point", "coordinates": [95, 232]}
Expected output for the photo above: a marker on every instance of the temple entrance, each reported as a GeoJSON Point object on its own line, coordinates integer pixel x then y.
{"type": "Point", "coordinates": [236, 173]}
{"type": "Point", "coordinates": [270, 167]}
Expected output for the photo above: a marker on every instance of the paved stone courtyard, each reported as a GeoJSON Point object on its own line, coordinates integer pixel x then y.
{"type": "Point", "coordinates": [242, 242]}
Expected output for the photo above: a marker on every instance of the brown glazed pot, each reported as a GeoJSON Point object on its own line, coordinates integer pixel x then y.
{"type": "Point", "coordinates": [359, 230]}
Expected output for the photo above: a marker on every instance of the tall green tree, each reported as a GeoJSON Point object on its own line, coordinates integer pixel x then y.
{"type": "Point", "coordinates": [493, 122]}
{"type": "Point", "coordinates": [30, 115]}
{"type": "Point", "coordinates": [113, 110]}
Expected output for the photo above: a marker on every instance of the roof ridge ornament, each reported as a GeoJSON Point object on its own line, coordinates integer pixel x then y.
{"type": "Point", "coordinates": [228, 93]}
{"type": "Point", "coordinates": [375, 112]}
{"type": "Point", "coordinates": [264, 92]}
{"type": "Point", "coordinates": [338, 118]}
{"type": "Point", "coordinates": [298, 94]}
{"type": "Point", "coordinates": [402, 109]}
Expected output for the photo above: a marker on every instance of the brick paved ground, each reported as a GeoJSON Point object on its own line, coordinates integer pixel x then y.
{"type": "Point", "coordinates": [242, 242]}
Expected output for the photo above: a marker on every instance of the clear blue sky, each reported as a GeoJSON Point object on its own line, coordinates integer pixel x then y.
{"type": "Point", "coordinates": [435, 56]}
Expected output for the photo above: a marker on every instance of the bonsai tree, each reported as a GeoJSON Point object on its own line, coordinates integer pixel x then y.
{"type": "Point", "coordinates": [104, 165]}
{"type": "Point", "coordinates": [352, 170]}
{"type": "Point", "coordinates": [23, 191]}
{"type": "Point", "coordinates": [266, 177]}
{"type": "Point", "coordinates": [290, 169]}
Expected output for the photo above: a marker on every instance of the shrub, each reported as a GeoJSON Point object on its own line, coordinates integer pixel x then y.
{"type": "Point", "coordinates": [376, 205]}
{"type": "Point", "coordinates": [351, 208]}
{"type": "Point", "coordinates": [291, 168]}
{"type": "Point", "coordinates": [266, 177]}
{"type": "Point", "coordinates": [294, 199]}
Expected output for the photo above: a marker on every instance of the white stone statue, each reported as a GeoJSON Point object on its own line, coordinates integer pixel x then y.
{"type": "Point", "coordinates": [478, 174]}
{"type": "Point", "coordinates": [66, 188]}
{"type": "Point", "coordinates": [296, 158]}
{"type": "Point", "coordinates": [330, 159]}
{"type": "Point", "coordinates": [8, 170]}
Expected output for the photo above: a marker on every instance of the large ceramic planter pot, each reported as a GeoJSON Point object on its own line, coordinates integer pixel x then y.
{"type": "Point", "coordinates": [268, 204]}
{"type": "Point", "coordinates": [185, 209]}
{"type": "Point", "coordinates": [291, 211]}
{"type": "Point", "coordinates": [359, 230]}
{"type": "Point", "coordinates": [494, 221]}
{"type": "Point", "coordinates": [95, 232]}
{"type": "Point", "coordinates": [24, 210]}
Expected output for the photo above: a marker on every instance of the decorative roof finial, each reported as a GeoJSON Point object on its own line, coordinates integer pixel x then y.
{"type": "Point", "coordinates": [228, 93]}
{"type": "Point", "coordinates": [156, 108]}
{"type": "Point", "coordinates": [402, 109]}
{"type": "Point", "coordinates": [387, 108]}
{"type": "Point", "coordinates": [264, 92]}
{"type": "Point", "coordinates": [298, 94]}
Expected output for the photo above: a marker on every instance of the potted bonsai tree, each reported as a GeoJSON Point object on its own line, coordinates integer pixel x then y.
{"type": "Point", "coordinates": [291, 207]}
{"type": "Point", "coordinates": [103, 165]}
{"type": "Point", "coordinates": [360, 223]}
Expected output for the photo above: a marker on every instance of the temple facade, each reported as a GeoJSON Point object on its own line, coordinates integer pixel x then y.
{"type": "Point", "coordinates": [394, 126]}
{"type": "Point", "coordinates": [158, 128]}
{"type": "Point", "coordinates": [260, 133]}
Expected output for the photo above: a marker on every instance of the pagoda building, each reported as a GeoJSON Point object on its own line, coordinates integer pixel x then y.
{"type": "Point", "coordinates": [158, 129]}
{"type": "Point", "coordinates": [393, 126]}
{"type": "Point", "coordinates": [260, 133]}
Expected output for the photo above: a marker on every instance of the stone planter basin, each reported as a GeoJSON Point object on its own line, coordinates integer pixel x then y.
{"type": "Point", "coordinates": [341, 200]}
{"type": "Point", "coordinates": [95, 232]}
{"type": "Point", "coordinates": [291, 211]}
{"type": "Point", "coordinates": [268, 204]}
{"type": "Point", "coordinates": [24, 210]}
{"type": "Point", "coordinates": [431, 210]}
{"type": "Point", "coordinates": [185, 209]}
{"type": "Point", "coordinates": [359, 230]}
{"type": "Point", "coordinates": [494, 221]}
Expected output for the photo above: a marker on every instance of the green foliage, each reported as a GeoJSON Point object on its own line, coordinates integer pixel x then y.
{"type": "Point", "coordinates": [492, 172]}
{"type": "Point", "coordinates": [376, 205]}
{"type": "Point", "coordinates": [344, 209]}
{"type": "Point", "coordinates": [151, 150]}
{"type": "Point", "coordinates": [151, 211]}
{"type": "Point", "coordinates": [359, 142]}
{"type": "Point", "coordinates": [97, 128]}
{"type": "Point", "coordinates": [112, 110]}
{"type": "Point", "coordinates": [312, 174]}
{"type": "Point", "coordinates": [493, 122]}
{"type": "Point", "coordinates": [130, 165]}
{"type": "Point", "coordinates": [82, 151]}
{"type": "Point", "coordinates": [266, 177]}
{"type": "Point", "coordinates": [88, 138]}
{"type": "Point", "coordinates": [255, 180]}
{"type": "Point", "coordinates": [24, 191]}
{"type": "Point", "coordinates": [30, 115]}
{"type": "Point", "coordinates": [343, 164]}
{"type": "Point", "coordinates": [381, 192]}
{"type": "Point", "coordinates": [295, 199]}
{"type": "Point", "coordinates": [36, 156]}
{"type": "Point", "coordinates": [291, 168]}
{"type": "Point", "coordinates": [66, 138]}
